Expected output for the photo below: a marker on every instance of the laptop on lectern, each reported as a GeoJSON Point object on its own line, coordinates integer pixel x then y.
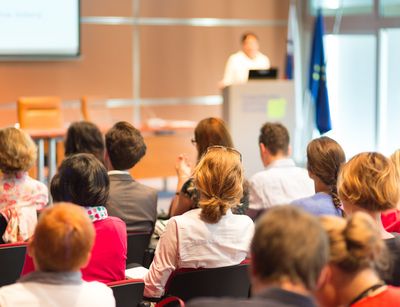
{"type": "Point", "coordinates": [261, 74]}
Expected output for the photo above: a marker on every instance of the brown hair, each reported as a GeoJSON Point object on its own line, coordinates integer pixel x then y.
{"type": "Point", "coordinates": [289, 244]}
{"type": "Point", "coordinates": [211, 131]}
{"type": "Point", "coordinates": [17, 150]}
{"type": "Point", "coordinates": [125, 146]}
{"type": "Point", "coordinates": [84, 137]}
{"type": "Point", "coordinates": [219, 178]}
{"type": "Point", "coordinates": [275, 138]}
{"type": "Point", "coordinates": [63, 238]}
{"type": "Point", "coordinates": [356, 244]}
{"type": "Point", "coordinates": [369, 180]}
{"type": "Point", "coordinates": [246, 35]}
{"type": "Point", "coordinates": [324, 159]}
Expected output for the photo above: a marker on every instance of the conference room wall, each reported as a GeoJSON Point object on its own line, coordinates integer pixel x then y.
{"type": "Point", "coordinates": [103, 69]}
{"type": "Point", "coordinates": [181, 61]}
{"type": "Point", "coordinates": [175, 60]}
{"type": "Point", "coordinates": [251, 9]}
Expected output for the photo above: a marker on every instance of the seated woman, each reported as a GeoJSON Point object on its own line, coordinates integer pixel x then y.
{"type": "Point", "coordinates": [208, 132]}
{"type": "Point", "coordinates": [391, 218]}
{"type": "Point", "coordinates": [210, 236]}
{"type": "Point", "coordinates": [83, 180]}
{"type": "Point", "coordinates": [84, 137]}
{"type": "Point", "coordinates": [324, 159]}
{"type": "Point", "coordinates": [20, 195]}
{"type": "Point", "coordinates": [357, 254]}
{"type": "Point", "coordinates": [60, 247]}
{"type": "Point", "coordinates": [369, 183]}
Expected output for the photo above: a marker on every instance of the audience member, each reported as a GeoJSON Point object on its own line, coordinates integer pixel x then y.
{"type": "Point", "coordinates": [324, 159]}
{"type": "Point", "coordinates": [287, 261]}
{"type": "Point", "coordinates": [208, 132]}
{"type": "Point", "coordinates": [210, 236]}
{"type": "Point", "coordinates": [60, 247]}
{"type": "Point", "coordinates": [83, 180]}
{"type": "Point", "coordinates": [281, 182]}
{"type": "Point", "coordinates": [134, 203]}
{"type": "Point", "coordinates": [391, 218]}
{"type": "Point", "coordinates": [357, 254]}
{"type": "Point", "coordinates": [84, 137]}
{"type": "Point", "coordinates": [20, 195]}
{"type": "Point", "coordinates": [369, 183]}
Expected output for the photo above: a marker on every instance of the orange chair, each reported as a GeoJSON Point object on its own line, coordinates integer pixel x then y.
{"type": "Point", "coordinates": [41, 116]}
{"type": "Point", "coordinates": [40, 112]}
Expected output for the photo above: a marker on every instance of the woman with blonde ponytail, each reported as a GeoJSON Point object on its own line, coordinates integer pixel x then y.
{"type": "Point", "coordinates": [210, 236]}
{"type": "Point", "coordinates": [324, 159]}
{"type": "Point", "coordinates": [357, 256]}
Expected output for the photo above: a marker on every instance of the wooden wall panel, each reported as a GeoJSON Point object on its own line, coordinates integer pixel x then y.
{"type": "Point", "coordinates": [105, 68]}
{"type": "Point", "coordinates": [190, 61]}
{"type": "Point", "coordinates": [253, 9]}
{"type": "Point", "coordinates": [106, 8]}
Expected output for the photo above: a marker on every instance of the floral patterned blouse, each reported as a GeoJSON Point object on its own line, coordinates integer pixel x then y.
{"type": "Point", "coordinates": [20, 198]}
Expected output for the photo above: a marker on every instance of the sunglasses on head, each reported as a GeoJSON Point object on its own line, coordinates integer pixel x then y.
{"type": "Point", "coordinates": [219, 147]}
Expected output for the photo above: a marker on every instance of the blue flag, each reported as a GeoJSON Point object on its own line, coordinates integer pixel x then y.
{"type": "Point", "coordinates": [317, 78]}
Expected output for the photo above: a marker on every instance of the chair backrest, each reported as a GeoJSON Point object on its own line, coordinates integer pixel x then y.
{"type": "Point", "coordinates": [40, 112]}
{"type": "Point", "coordinates": [138, 242]}
{"type": "Point", "coordinates": [12, 257]}
{"type": "Point", "coordinates": [128, 292]}
{"type": "Point", "coordinates": [230, 281]}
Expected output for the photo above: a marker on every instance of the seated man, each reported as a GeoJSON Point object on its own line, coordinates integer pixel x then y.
{"type": "Point", "coordinates": [289, 251]}
{"type": "Point", "coordinates": [134, 203]}
{"type": "Point", "coordinates": [282, 181]}
{"type": "Point", "coordinates": [60, 247]}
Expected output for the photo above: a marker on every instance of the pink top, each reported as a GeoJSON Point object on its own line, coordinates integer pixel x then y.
{"type": "Point", "coordinates": [20, 197]}
{"type": "Point", "coordinates": [108, 260]}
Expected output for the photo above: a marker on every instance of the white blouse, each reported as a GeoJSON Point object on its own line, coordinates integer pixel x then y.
{"type": "Point", "coordinates": [189, 242]}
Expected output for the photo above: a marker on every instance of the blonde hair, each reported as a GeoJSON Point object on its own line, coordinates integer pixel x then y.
{"type": "Point", "coordinates": [355, 243]}
{"type": "Point", "coordinates": [63, 238]}
{"type": "Point", "coordinates": [17, 150]}
{"type": "Point", "coordinates": [219, 178]}
{"type": "Point", "coordinates": [395, 158]}
{"type": "Point", "coordinates": [369, 181]}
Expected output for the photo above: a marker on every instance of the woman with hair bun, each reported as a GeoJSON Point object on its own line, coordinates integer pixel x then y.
{"type": "Point", "coordinates": [211, 131]}
{"type": "Point", "coordinates": [369, 183]}
{"type": "Point", "coordinates": [210, 236]}
{"type": "Point", "coordinates": [357, 255]}
{"type": "Point", "coordinates": [324, 159]}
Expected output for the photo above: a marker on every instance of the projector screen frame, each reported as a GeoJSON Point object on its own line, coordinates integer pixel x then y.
{"type": "Point", "coordinates": [48, 57]}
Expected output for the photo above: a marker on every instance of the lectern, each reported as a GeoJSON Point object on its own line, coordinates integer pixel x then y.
{"type": "Point", "coordinates": [247, 107]}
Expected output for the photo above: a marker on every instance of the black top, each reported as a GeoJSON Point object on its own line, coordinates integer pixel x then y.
{"type": "Point", "coordinates": [271, 297]}
{"type": "Point", "coordinates": [393, 277]}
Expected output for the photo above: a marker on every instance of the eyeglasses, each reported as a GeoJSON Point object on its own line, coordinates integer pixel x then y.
{"type": "Point", "coordinates": [193, 141]}
{"type": "Point", "coordinates": [216, 147]}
